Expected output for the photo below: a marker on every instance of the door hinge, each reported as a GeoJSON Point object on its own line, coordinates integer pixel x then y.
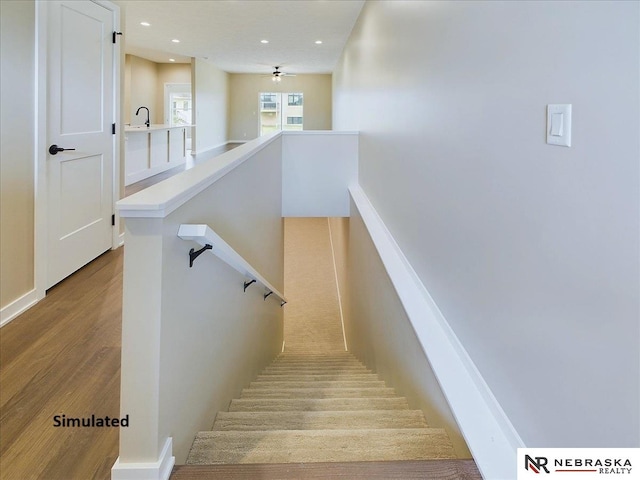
{"type": "Point", "coordinates": [116, 34]}
{"type": "Point", "coordinates": [113, 220]}
{"type": "Point", "coordinates": [113, 129]}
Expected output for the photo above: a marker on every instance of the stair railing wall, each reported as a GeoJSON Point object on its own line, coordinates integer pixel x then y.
{"type": "Point", "coordinates": [395, 327]}
{"type": "Point", "coordinates": [192, 337]}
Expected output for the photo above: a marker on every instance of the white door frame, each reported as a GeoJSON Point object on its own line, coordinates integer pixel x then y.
{"type": "Point", "coordinates": [40, 147]}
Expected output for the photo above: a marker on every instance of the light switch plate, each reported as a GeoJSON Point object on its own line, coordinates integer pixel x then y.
{"type": "Point", "coordinates": [559, 125]}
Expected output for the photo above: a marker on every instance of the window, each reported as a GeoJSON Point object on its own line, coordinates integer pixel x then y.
{"type": "Point", "coordinates": [280, 111]}
{"type": "Point", "coordinates": [295, 99]}
{"type": "Point", "coordinates": [268, 102]}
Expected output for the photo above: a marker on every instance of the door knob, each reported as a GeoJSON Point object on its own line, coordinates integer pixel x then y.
{"type": "Point", "coordinates": [54, 149]}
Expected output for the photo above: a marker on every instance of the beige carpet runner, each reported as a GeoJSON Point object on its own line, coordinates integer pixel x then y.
{"type": "Point", "coordinates": [318, 408]}
{"type": "Point", "coordinates": [316, 402]}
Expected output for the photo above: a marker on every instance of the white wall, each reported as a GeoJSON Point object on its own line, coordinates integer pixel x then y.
{"type": "Point", "coordinates": [317, 169]}
{"type": "Point", "coordinates": [377, 328]}
{"type": "Point", "coordinates": [210, 104]}
{"type": "Point", "coordinates": [529, 250]}
{"type": "Point", "coordinates": [17, 126]}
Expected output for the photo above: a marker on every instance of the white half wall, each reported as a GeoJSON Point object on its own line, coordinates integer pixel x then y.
{"type": "Point", "coordinates": [192, 339]}
{"type": "Point", "coordinates": [531, 251]}
{"type": "Point", "coordinates": [317, 169]}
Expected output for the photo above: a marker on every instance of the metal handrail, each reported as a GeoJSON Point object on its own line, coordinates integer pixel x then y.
{"type": "Point", "coordinates": [210, 240]}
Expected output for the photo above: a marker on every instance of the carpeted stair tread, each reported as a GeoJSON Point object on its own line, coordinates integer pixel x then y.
{"type": "Point", "coordinates": [317, 364]}
{"type": "Point", "coordinates": [284, 446]}
{"type": "Point", "coordinates": [317, 392]}
{"type": "Point", "coordinates": [313, 370]}
{"type": "Point", "coordinates": [334, 352]}
{"type": "Point", "coordinates": [327, 361]}
{"type": "Point", "coordinates": [319, 377]}
{"type": "Point", "coordinates": [341, 365]}
{"type": "Point", "coordinates": [319, 384]}
{"type": "Point", "coordinates": [326, 420]}
{"type": "Point", "coordinates": [316, 404]}
{"type": "Point", "coordinates": [335, 355]}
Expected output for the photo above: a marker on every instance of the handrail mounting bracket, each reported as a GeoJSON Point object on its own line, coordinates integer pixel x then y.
{"type": "Point", "coordinates": [193, 253]}
{"type": "Point", "coordinates": [246, 284]}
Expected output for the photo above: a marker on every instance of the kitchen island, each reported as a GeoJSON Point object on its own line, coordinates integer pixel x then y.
{"type": "Point", "coordinates": [152, 150]}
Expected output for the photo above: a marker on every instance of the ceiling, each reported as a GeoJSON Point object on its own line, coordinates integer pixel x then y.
{"type": "Point", "coordinates": [228, 33]}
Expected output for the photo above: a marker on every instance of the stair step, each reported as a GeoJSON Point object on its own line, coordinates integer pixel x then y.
{"type": "Point", "coordinates": [268, 384]}
{"type": "Point", "coordinates": [320, 377]}
{"type": "Point", "coordinates": [325, 361]}
{"type": "Point", "coordinates": [342, 353]}
{"type": "Point", "coordinates": [313, 370]}
{"type": "Point", "coordinates": [283, 446]}
{"type": "Point", "coordinates": [330, 420]}
{"type": "Point", "coordinates": [341, 365]}
{"type": "Point", "coordinates": [312, 357]}
{"type": "Point", "coordinates": [317, 392]}
{"type": "Point", "coordinates": [316, 404]}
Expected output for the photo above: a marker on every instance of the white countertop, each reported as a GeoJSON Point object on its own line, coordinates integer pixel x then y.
{"type": "Point", "coordinates": [156, 126]}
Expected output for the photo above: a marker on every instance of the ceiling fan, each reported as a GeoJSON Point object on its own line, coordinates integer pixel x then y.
{"type": "Point", "coordinates": [277, 75]}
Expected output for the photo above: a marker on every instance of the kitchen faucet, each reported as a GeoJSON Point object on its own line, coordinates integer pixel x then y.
{"type": "Point", "coordinates": [138, 111]}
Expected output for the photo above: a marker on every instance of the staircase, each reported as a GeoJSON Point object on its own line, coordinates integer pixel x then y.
{"type": "Point", "coordinates": [308, 408]}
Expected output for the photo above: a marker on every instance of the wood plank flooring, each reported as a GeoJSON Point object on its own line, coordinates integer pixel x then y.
{"type": "Point", "coordinates": [63, 357]}
{"type": "Point", "coordinates": [407, 470]}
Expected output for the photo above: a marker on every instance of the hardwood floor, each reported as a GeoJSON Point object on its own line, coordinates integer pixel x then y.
{"type": "Point", "coordinates": [407, 470]}
{"type": "Point", "coordinates": [62, 357]}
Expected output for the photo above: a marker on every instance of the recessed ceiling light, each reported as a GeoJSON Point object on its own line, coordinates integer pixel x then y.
{"type": "Point", "coordinates": [175, 40]}
{"type": "Point", "coordinates": [172, 59]}
{"type": "Point", "coordinates": [145, 24]}
{"type": "Point", "coordinates": [318, 42]}
{"type": "Point", "coordinates": [264, 41]}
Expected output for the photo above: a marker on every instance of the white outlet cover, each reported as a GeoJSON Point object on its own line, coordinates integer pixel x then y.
{"type": "Point", "coordinates": [559, 124]}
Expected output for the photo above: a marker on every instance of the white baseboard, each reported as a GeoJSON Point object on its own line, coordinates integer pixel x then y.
{"type": "Point", "coordinates": [158, 470]}
{"type": "Point", "coordinates": [121, 239]}
{"type": "Point", "coordinates": [489, 433]}
{"type": "Point", "coordinates": [18, 306]}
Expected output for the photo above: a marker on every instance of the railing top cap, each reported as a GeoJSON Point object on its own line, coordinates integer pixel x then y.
{"type": "Point", "coordinates": [162, 198]}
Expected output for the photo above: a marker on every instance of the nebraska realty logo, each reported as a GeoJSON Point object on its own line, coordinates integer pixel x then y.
{"type": "Point", "coordinates": [579, 463]}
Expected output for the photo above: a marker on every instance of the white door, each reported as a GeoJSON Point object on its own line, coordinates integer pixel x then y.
{"type": "Point", "coordinates": [80, 110]}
